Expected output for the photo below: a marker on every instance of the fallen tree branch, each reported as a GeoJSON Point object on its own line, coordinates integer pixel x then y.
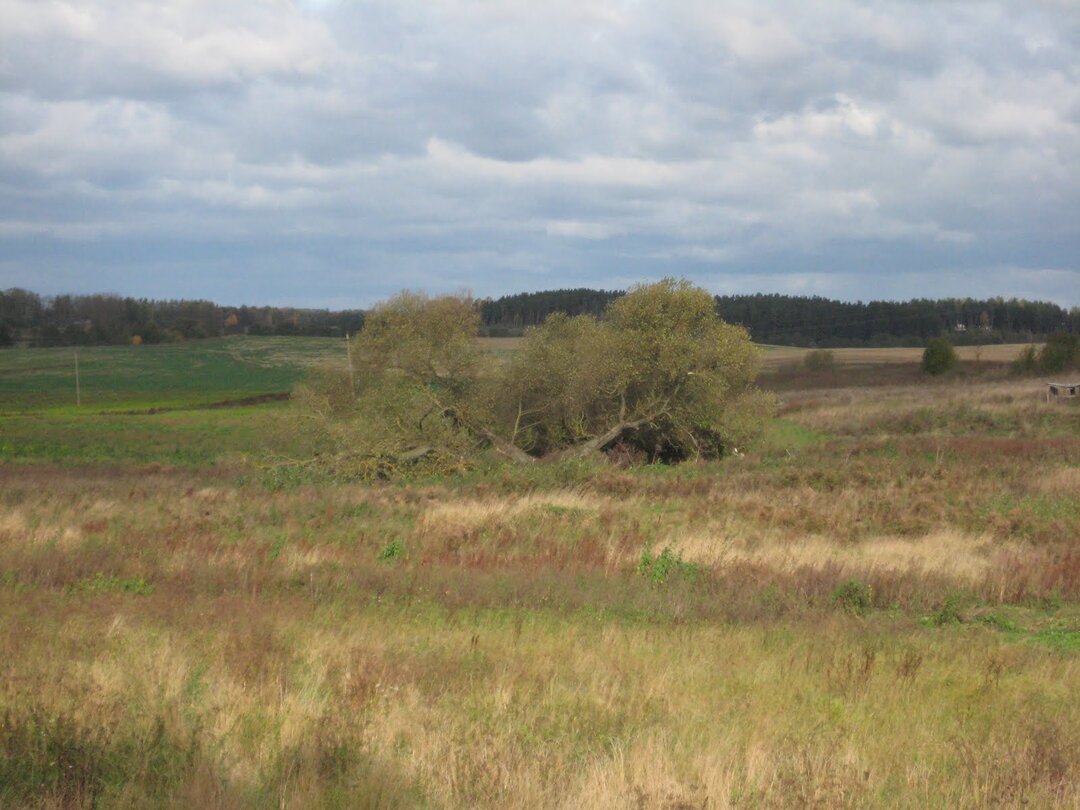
{"type": "Point", "coordinates": [505, 448]}
{"type": "Point", "coordinates": [599, 442]}
{"type": "Point", "coordinates": [415, 454]}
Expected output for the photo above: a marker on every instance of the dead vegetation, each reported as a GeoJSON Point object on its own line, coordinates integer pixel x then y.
{"type": "Point", "coordinates": [878, 608]}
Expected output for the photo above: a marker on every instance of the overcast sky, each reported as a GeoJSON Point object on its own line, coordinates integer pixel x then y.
{"type": "Point", "coordinates": [325, 153]}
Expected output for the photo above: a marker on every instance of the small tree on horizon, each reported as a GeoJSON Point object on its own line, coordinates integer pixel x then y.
{"type": "Point", "coordinates": [939, 356]}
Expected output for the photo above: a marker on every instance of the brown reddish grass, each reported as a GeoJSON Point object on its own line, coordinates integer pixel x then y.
{"type": "Point", "coordinates": [177, 638]}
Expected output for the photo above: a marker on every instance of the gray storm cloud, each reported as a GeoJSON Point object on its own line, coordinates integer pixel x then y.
{"type": "Point", "coordinates": [328, 153]}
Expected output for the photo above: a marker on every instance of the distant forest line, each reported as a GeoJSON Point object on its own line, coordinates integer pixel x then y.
{"type": "Point", "coordinates": [29, 319]}
{"type": "Point", "coordinates": [63, 320]}
{"type": "Point", "coordinates": [822, 322]}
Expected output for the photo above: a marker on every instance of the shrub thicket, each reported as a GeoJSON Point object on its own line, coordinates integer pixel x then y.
{"type": "Point", "coordinates": [660, 373]}
{"type": "Point", "coordinates": [1027, 362]}
{"type": "Point", "coordinates": [1061, 352]}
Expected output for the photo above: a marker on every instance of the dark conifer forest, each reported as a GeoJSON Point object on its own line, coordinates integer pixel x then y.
{"type": "Point", "coordinates": [29, 319]}
{"type": "Point", "coordinates": [815, 321]}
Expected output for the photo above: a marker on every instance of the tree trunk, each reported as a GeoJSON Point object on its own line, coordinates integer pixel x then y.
{"type": "Point", "coordinates": [519, 456]}
{"type": "Point", "coordinates": [596, 442]}
{"type": "Point", "coordinates": [508, 449]}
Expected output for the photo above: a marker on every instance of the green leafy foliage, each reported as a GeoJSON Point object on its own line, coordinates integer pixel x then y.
{"type": "Point", "coordinates": [939, 356]}
{"type": "Point", "coordinates": [949, 611]}
{"type": "Point", "coordinates": [665, 566]}
{"type": "Point", "coordinates": [853, 596]}
{"type": "Point", "coordinates": [108, 583]}
{"type": "Point", "coordinates": [1027, 362]}
{"type": "Point", "coordinates": [391, 552]}
{"type": "Point", "coordinates": [1061, 352]}
{"type": "Point", "coordinates": [660, 372]}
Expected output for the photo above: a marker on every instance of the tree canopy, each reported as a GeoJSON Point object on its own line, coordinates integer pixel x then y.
{"type": "Point", "coordinates": [939, 356]}
{"type": "Point", "coordinates": [30, 319]}
{"type": "Point", "coordinates": [66, 320]}
{"type": "Point", "coordinates": [659, 372]}
{"type": "Point", "coordinates": [820, 322]}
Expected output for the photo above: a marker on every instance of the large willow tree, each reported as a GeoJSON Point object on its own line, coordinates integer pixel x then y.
{"type": "Point", "coordinates": [660, 372]}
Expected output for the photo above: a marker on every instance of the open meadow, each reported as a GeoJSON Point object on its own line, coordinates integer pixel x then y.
{"type": "Point", "coordinates": [995, 353]}
{"type": "Point", "coordinates": [878, 606]}
{"type": "Point", "coordinates": [777, 356]}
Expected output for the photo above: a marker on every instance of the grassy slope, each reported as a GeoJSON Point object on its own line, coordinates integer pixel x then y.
{"type": "Point", "coordinates": [215, 635]}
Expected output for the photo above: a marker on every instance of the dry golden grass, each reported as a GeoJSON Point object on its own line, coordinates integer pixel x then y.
{"type": "Point", "coordinates": [774, 356]}
{"type": "Point", "coordinates": [994, 353]}
{"type": "Point", "coordinates": [959, 557]}
{"type": "Point", "coordinates": [1059, 480]}
{"type": "Point", "coordinates": [177, 638]}
{"type": "Point", "coordinates": [1016, 404]}
{"type": "Point", "coordinates": [466, 515]}
{"type": "Point", "coordinates": [540, 712]}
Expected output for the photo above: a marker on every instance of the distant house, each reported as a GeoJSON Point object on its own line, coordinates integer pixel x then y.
{"type": "Point", "coordinates": [1057, 390]}
{"type": "Point", "coordinates": [961, 327]}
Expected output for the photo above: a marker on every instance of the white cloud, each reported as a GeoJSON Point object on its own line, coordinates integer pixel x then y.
{"type": "Point", "coordinates": [836, 145]}
{"type": "Point", "coordinates": [749, 32]}
{"type": "Point", "coordinates": [843, 117]}
{"type": "Point", "coordinates": [193, 42]}
{"type": "Point", "coordinates": [582, 230]}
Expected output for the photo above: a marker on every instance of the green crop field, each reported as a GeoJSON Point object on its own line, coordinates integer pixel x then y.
{"type": "Point", "coordinates": [192, 403]}
{"type": "Point", "coordinates": [172, 375]}
{"type": "Point", "coordinates": [877, 606]}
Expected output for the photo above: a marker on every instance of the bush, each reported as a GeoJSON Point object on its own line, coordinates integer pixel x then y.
{"type": "Point", "coordinates": [854, 597]}
{"type": "Point", "coordinates": [820, 360]}
{"type": "Point", "coordinates": [949, 612]}
{"type": "Point", "coordinates": [939, 356]}
{"type": "Point", "coordinates": [668, 563]}
{"type": "Point", "coordinates": [1027, 362]}
{"type": "Point", "coordinates": [1060, 353]}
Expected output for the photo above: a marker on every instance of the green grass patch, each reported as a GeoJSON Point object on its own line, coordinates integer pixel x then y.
{"type": "Point", "coordinates": [181, 438]}
{"type": "Point", "coordinates": [146, 377]}
{"type": "Point", "coordinates": [1058, 638]}
{"type": "Point", "coordinates": [1039, 507]}
{"type": "Point", "coordinates": [107, 583]}
{"type": "Point", "coordinates": [784, 434]}
{"type": "Point", "coordinates": [668, 564]}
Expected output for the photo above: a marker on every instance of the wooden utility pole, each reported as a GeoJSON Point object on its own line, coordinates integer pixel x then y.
{"type": "Point", "coordinates": [78, 392]}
